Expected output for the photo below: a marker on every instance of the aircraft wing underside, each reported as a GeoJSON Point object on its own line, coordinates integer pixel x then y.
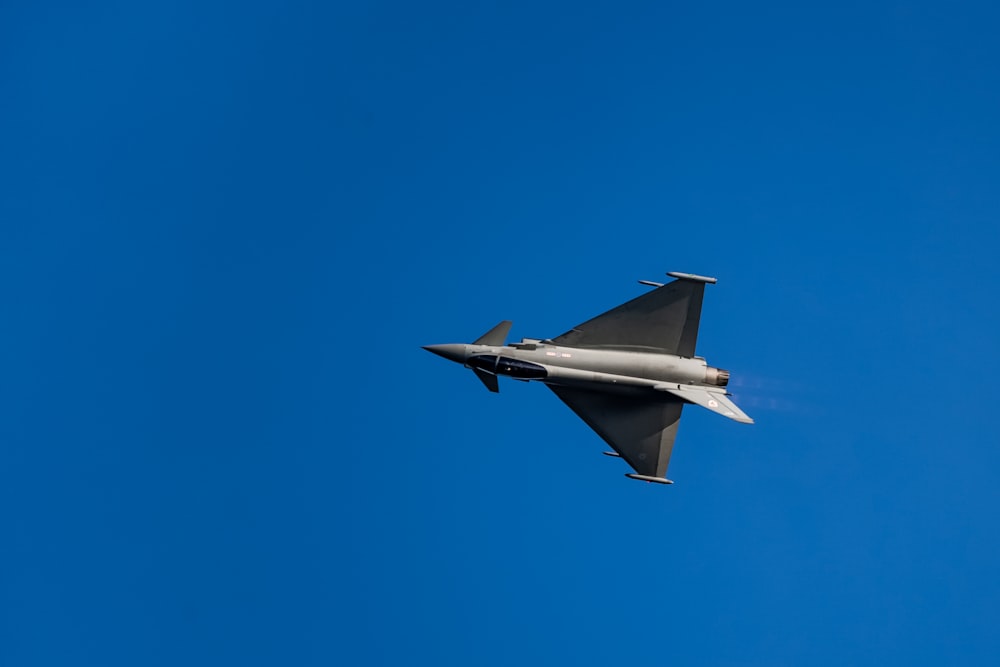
{"type": "Point", "coordinates": [641, 430]}
{"type": "Point", "coordinates": [665, 319]}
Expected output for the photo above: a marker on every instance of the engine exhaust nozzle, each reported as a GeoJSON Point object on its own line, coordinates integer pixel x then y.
{"type": "Point", "coordinates": [717, 376]}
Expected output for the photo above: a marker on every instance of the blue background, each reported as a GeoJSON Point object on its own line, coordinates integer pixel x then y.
{"type": "Point", "coordinates": [226, 229]}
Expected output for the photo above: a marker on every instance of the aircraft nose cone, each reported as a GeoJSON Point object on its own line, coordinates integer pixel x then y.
{"type": "Point", "coordinates": [451, 351]}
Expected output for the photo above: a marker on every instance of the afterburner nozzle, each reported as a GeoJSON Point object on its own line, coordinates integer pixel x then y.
{"type": "Point", "coordinates": [717, 376]}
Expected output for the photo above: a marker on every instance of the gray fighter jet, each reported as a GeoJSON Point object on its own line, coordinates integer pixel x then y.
{"type": "Point", "coordinates": [627, 373]}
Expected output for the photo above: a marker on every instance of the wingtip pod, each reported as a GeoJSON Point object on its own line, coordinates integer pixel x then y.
{"type": "Point", "coordinates": [692, 276]}
{"type": "Point", "coordinates": [648, 478]}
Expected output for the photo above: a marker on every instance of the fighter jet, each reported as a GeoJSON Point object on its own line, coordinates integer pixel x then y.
{"type": "Point", "coordinates": [627, 373]}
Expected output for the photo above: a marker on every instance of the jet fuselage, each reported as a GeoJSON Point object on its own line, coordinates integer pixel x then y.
{"type": "Point", "coordinates": [603, 370]}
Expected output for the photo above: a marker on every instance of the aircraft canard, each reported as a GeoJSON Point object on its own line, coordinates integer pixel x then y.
{"type": "Point", "coordinates": [627, 373]}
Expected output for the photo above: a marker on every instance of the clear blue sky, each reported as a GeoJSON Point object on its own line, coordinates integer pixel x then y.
{"type": "Point", "coordinates": [226, 228]}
